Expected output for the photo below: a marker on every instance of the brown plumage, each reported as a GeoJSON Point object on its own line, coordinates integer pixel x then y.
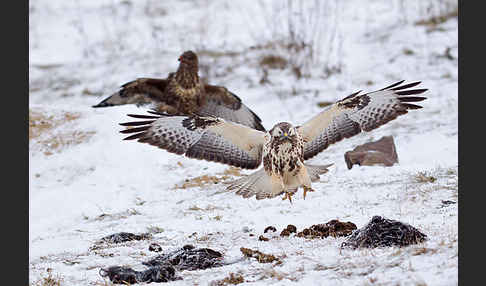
{"type": "Point", "coordinates": [184, 93]}
{"type": "Point", "coordinates": [284, 148]}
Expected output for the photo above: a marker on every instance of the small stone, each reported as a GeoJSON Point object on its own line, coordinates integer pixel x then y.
{"type": "Point", "coordinates": [381, 152]}
{"type": "Point", "coordinates": [334, 228]}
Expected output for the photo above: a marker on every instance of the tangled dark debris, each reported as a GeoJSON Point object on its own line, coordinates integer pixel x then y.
{"type": "Point", "coordinates": [334, 228]}
{"type": "Point", "coordinates": [124, 237]}
{"type": "Point", "coordinates": [189, 258]}
{"type": "Point", "coordinates": [163, 267]}
{"type": "Point", "coordinates": [119, 237]}
{"type": "Point", "coordinates": [123, 275]}
{"type": "Point", "coordinates": [381, 232]}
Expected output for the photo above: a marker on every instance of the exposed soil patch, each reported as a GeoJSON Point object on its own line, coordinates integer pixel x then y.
{"type": "Point", "coordinates": [288, 230]}
{"type": "Point", "coordinates": [380, 232]}
{"type": "Point", "coordinates": [334, 228]}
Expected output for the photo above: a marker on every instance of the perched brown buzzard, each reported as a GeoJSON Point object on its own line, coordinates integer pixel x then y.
{"type": "Point", "coordinates": [284, 148]}
{"type": "Point", "coordinates": [183, 93]}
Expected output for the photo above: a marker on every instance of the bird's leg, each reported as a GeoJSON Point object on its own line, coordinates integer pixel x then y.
{"type": "Point", "coordinates": [307, 189]}
{"type": "Point", "coordinates": [288, 195]}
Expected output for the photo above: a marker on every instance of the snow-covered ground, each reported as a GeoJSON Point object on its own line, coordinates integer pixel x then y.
{"type": "Point", "coordinates": [85, 182]}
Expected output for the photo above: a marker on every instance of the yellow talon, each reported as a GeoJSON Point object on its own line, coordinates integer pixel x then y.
{"type": "Point", "coordinates": [307, 189]}
{"type": "Point", "coordinates": [287, 196]}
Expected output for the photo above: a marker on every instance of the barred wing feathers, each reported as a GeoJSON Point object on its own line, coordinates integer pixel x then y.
{"type": "Point", "coordinates": [140, 91]}
{"type": "Point", "coordinates": [347, 117]}
{"type": "Point", "coordinates": [205, 138]}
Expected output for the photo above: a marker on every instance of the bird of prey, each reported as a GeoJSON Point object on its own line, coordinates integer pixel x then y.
{"type": "Point", "coordinates": [284, 148]}
{"type": "Point", "coordinates": [184, 93]}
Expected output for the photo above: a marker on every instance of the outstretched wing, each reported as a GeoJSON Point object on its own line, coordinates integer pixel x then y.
{"type": "Point", "coordinates": [206, 138]}
{"type": "Point", "coordinates": [347, 117]}
{"type": "Point", "coordinates": [140, 91]}
{"type": "Point", "coordinates": [220, 102]}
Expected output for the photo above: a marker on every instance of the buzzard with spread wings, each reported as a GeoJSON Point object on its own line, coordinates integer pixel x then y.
{"type": "Point", "coordinates": [183, 93]}
{"type": "Point", "coordinates": [284, 148]}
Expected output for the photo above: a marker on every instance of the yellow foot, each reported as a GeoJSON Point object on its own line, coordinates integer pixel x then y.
{"type": "Point", "coordinates": [287, 196]}
{"type": "Point", "coordinates": [307, 189]}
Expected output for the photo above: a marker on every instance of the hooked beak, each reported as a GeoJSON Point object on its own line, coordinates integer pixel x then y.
{"type": "Point", "coordinates": [284, 136]}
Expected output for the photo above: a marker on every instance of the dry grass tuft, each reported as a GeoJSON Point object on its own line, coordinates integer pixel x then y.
{"type": "Point", "coordinates": [437, 20]}
{"type": "Point", "coordinates": [276, 275]}
{"type": "Point", "coordinates": [56, 143]}
{"type": "Point", "coordinates": [424, 250]}
{"type": "Point", "coordinates": [114, 216]}
{"type": "Point", "coordinates": [323, 104]}
{"type": "Point", "coordinates": [233, 278]}
{"type": "Point", "coordinates": [273, 62]}
{"type": "Point", "coordinates": [40, 123]}
{"type": "Point", "coordinates": [41, 127]}
{"type": "Point", "coordinates": [206, 180]}
{"type": "Point", "coordinates": [423, 177]}
{"type": "Point", "coordinates": [50, 280]}
{"type": "Point", "coordinates": [260, 256]}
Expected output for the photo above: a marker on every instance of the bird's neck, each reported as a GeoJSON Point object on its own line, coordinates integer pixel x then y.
{"type": "Point", "coordinates": [187, 77]}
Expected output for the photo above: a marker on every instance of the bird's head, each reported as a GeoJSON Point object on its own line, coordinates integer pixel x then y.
{"type": "Point", "coordinates": [282, 132]}
{"type": "Point", "coordinates": [188, 59]}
